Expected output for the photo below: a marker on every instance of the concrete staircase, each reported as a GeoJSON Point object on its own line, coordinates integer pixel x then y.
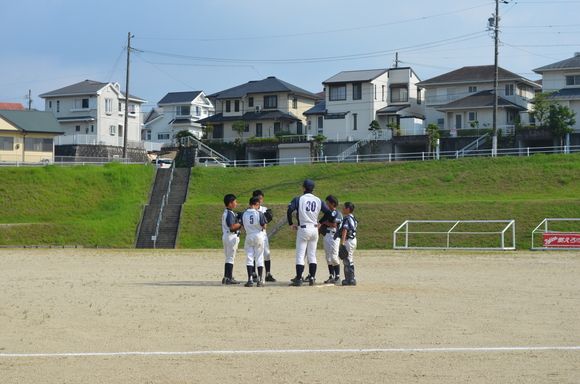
{"type": "Point", "coordinates": [168, 205]}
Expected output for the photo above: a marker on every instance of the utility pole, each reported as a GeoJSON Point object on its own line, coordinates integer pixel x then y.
{"type": "Point", "coordinates": [494, 23]}
{"type": "Point", "coordinates": [397, 60]}
{"type": "Point", "coordinates": [126, 123]}
{"type": "Point", "coordinates": [29, 99]}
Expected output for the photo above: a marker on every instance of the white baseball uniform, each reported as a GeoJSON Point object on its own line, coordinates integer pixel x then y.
{"type": "Point", "coordinates": [253, 222]}
{"type": "Point", "coordinates": [307, 207]}
{"type": "Point", "coordinates": [266, 242]}
{"type": "Point", "coordinates": [230, 239]}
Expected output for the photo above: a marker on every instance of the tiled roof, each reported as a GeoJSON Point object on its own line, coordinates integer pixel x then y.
{"type": "Point", "coordinates": [476, 74]}
{"type": "Point", "coordinates": [179, 97]}
{"type": "Point", "coordinates": [318, 109]}
{"type": "Point", "coordinates": [33, 121]}
{"type": "Point", "coordinates": [12, 106]}
{"type": "Point", "coordinates": [566, 94]}
{"type": "Point", "coordinates": [392, 109]}
{"type": "Point", "coordinates": [87, 87]}
{"type": "Point", "coordinates": [355, 76]}
{"type": "Point", "coordinates": [250, 116]}
{"type": "Point", "coordinates": [268, 85]}
{"type": "Point", "coordinates": [573, 62]}
{"type": "Point", "coordinates": [483, 99]}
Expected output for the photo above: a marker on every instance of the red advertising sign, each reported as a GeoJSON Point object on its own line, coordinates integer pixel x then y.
{"type": "Point", "coordinates": [562, 240]}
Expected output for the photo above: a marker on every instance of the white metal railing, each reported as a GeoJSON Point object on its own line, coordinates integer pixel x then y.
{"type": "Point", "coordinates": [473, 146]}
{"type": "Point", "coordinates": [453, 230]}
{"type": "Point", "coordinates": [114, 141]}
{"type": "Point", "coordinates": [353, 148]}
{"type": "Point", "coordinates": [163, 200]}
{"type": "Point", "coordinates": [556, 239]}
{"type": "Point", "coordinates": [188, 141]}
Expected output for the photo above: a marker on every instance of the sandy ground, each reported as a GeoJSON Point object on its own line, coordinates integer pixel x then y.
{"type": "Point", "coordinates": [134, 316]}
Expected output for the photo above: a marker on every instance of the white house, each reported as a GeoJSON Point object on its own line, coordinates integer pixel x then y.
{"type": "Point", "coordinates": [464, 96]}
{"type": "Point", "coordinates": [563, 77]}
{"type": "Point", "coordinates": [93, 113]}
{"type": "Point", "coordinates": [177, 111]}
{"type": "Point", "coordinates": [355, 98]}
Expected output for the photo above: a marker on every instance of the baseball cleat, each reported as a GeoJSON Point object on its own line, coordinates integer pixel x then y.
{"type": "Point", "coordinates": [254, 277]}
{"type": "Point", "coordinates": [306, 279]}
{"type": "Point", "coordinates": [224, 280]}
{"type": "Point", "coordinates": [232, 281]}
{"type": "Point", "coordinates": [297, 283]}
{"type": "Point", "coordinates": [260, 283]}
{"type": "Point", "coordinates": [337, 280]}
{"type": "Point", "coordinates": [311, 281]}
{"type": "Point", "coordinates": [270, 278]}
{"type": "Point", "coordinates": [249, 284]}
{"type": "Point", "coordinates": [349, 282]}
{"type": "Point", "coordinates": [331, 280]}
{"type": "Point", "coordinates": [295, 279]}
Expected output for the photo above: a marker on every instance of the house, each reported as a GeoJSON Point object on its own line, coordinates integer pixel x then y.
{"type": "Point", "coordinates": [267, 106]}
{"type": "Point", "coordinates": [464, 99]}
{"type": "Point", "coordinates": [353, 99]}
{"type": "Point", "coordinates": [563, 77]}
{"type": "Point", "coordinates": [177, 111]}
{"type": "Point", "coordinates": [28, 136]}
{"type": "Point", "coordinates": [13, 106]}
{"type": "Point", "coordinates": [93, 113]}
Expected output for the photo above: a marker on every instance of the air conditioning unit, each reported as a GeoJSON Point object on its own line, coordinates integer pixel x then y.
{"type": "Point", "coordinates": [258, 108]}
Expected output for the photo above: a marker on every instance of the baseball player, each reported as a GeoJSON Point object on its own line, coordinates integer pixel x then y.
{"type": "Point", "coordinates": [348, 239]}
{"type": "Point", "coordinates": [328, 226]}
{"type": "Point", "coordinates": [230, 238]}
{"type": "Point", "coordinates": [307, 207]}
{"type": "Point", "coordinates": [254, 224]}
{"type": "Point", "coordinates": [267, 262]}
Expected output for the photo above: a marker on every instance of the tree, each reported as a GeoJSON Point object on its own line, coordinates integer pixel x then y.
{"type": "Point", "coordinates": [434, 135]}
{"type": "Point", "coordinates": [318, 146]}
{"type": "Point", "coordinates": [207, 129]}
{"type": "Point", "coordinates": [395, 128]}
{"type": "Point", "coordinates": [239, 127]}
{"type": "Point", "coordinates": [180, 135]}
{"type": "Point", "coordinates": [560, 121]}
{"type": "Point", "coordinates": [543, 102]}
{"type": "Point", "coordinates": [374, 126]}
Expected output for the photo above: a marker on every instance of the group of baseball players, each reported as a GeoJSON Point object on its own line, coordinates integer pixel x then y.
{"type": "Point", "coordinates": [338, 231]}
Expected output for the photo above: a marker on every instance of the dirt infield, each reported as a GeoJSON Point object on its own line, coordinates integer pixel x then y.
{"type": "Point", "coordinates": [133, 316]}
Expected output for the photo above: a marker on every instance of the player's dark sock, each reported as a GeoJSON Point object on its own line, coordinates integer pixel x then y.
{"type": "Point", "coordinates": [267, 265]}
{"type": "Point", "coordinates": [331, 269]}
{"type": "Point", "coordinates": [250, 269]}
{"type": "Point", "coordinates": [312, 269]}
{"type": "Point", "coordinates": [336, 270]}
{"type": "Point", "coordinates": [226, 270]}
{"type": "Point", "coordinates": [260, 271]}
{"type": "Point", "coordinates": [299, 270]}
{"type": "Point", "coordinates": [229, 270]}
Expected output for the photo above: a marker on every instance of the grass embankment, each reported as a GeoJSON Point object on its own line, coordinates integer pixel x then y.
{"type": "Point", "coordinates": [101, 206]}
{"type": "Point", "coordinates": [81, 205]}
{"type": "Point", "coordinates": [525, 189]}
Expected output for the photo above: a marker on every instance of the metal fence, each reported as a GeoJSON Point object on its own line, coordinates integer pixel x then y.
{"type": "Point", "coordinates": [556, 234]}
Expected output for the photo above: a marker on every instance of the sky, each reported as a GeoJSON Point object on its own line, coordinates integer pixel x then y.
{"type": "Point", "coordinates": [210, 46]}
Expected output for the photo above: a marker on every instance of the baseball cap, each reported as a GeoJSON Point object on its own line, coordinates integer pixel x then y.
{"type": "Point", "coordinates": [308, 184]}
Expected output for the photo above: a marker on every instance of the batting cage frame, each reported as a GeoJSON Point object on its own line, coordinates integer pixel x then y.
{"type": "Point", "coordinates": [555, 235]}
{"type": "Point", "coordinates": [456, 234]}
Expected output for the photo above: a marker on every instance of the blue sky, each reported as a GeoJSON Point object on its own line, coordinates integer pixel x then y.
{"type": "Point", "coordinates": [214, 45]}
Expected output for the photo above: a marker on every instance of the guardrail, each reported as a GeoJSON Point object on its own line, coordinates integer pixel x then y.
{"type": "Point", "coordinates": [559, 238]}
{"type": "Point", "coordinates": [454, 231]}
{"type": "Point", "coordinates": [165, 198]}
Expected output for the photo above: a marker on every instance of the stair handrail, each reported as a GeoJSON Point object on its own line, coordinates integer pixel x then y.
{"type": "Point", "coordinates": [185, 141]}
{"type": "Point", "coordinates": [163, 200]}
{"type": "Point", "coordinates": [474, 145]}
{"type": "Point", "coordinates": [353, 148]}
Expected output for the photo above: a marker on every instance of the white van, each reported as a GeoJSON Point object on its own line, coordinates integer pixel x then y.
{"type": "Point", "coordinates": [162, 163]}
{"type": "Point", "coordinates": [209, 162]}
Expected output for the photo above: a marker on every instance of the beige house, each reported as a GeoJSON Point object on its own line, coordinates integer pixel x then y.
{"type": "Point", "coordinates": [267, 106]}
{"type": "Point", "coordinates": [28, 136]}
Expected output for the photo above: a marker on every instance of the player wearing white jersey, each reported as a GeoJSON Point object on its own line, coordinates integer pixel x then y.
{"type": "Point", "coordinates": [254, 224]}
{"type": "Point", "coordinates": [307, 208]}
{"type": "Point", "coordinates": [230, 238]}
{"type": "Point", "coordinates": [267, 260]}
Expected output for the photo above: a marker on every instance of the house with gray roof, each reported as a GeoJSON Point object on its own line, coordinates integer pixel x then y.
{"type": "Point", "coordinates": [28, 136]}
{"type": "Point", "coordinates": [355, 98]}
{"type": "Point", "coordinates": [93, 113]}
{"type": "Point", "coordinates": [464, 98]}
{"type": "Point", "coordinates": [563, 77]}
{"type": "Point", "coordinates": [175, 112]}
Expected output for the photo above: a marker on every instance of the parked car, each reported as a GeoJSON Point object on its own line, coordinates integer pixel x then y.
{"type": "Point", "coordinates": [209, 162]}
{"type": "Point", "coordinates": [162, 163]}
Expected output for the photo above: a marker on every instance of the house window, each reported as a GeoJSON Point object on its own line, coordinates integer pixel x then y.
{"type": "Point", "coordinates": [250, 102]}
{"type": "Point", "coordinates": [81, 103]}
{"type": "Point", "coordinates": [357, 91]}
{"type": "Point", "coordinates": [441, 122]}
{"type": "Point", "coordinates": [58, 106]}
{"type": "Point", "coordinates": [49, 104]}
{"type": "Point", "coordinates": [113, 130]}
{"type": "Point", "coordinates": [228, 106]}
{"type": "Point", "coordinates": [419, 96]}
{"type": "Point", "coordinates": [271, 101]}
{"type": "Point", "coordinates": [375, 90]}
{"type": "Point", "coordinates": [197, 111]}
{"type": "Point", "coordinates": [509, 89]}
{"type": "Point", "coordinates": [299, 128]}
{"type": "Point", "coordinates": [218, 131]}
{"type": "Point", "coordinates": [320, 122]}
{"type": "Point", "coordinates": [92, 128]}
{"type": "Point", "coordinates": [573, 80]}
{"type": "Point", "coordinates": [148, 135]}
{"type": "Point", "coordinates": [6, 143]}
{"type": "Point", "coordinates": [237, 106]}
{"type": "Point", "coordinates": [383, 93]}
{"type": "Point", "coordinates": [38, 145]}
{"type": "Point", "coordinates": [472, 116]}
{"type": "Point", "coordinates": [399, 94]}
{"type": "Point", "coordinates": [132, 109]}
{"type": "Point", "coordinates": [183, 110]}
{"type": "Point", "coordinates": [163, 136]}
{"type": "Point", "coordinates": [77, 128]}
{"type": "Point", "coordinates": [472, 89]}
{"type": "Point", "coordinates": [337, 93]}
{"type": "Point", "coordinates": [354, 121]}
{"type": "Point", "coordinates": [258, 129]}
{"type": "Point", "coordinates": [276, 127]}
{"type": "Point", "coordinates": [109, 106]}
{"type": "Point", "coordinates": [295, 102]}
